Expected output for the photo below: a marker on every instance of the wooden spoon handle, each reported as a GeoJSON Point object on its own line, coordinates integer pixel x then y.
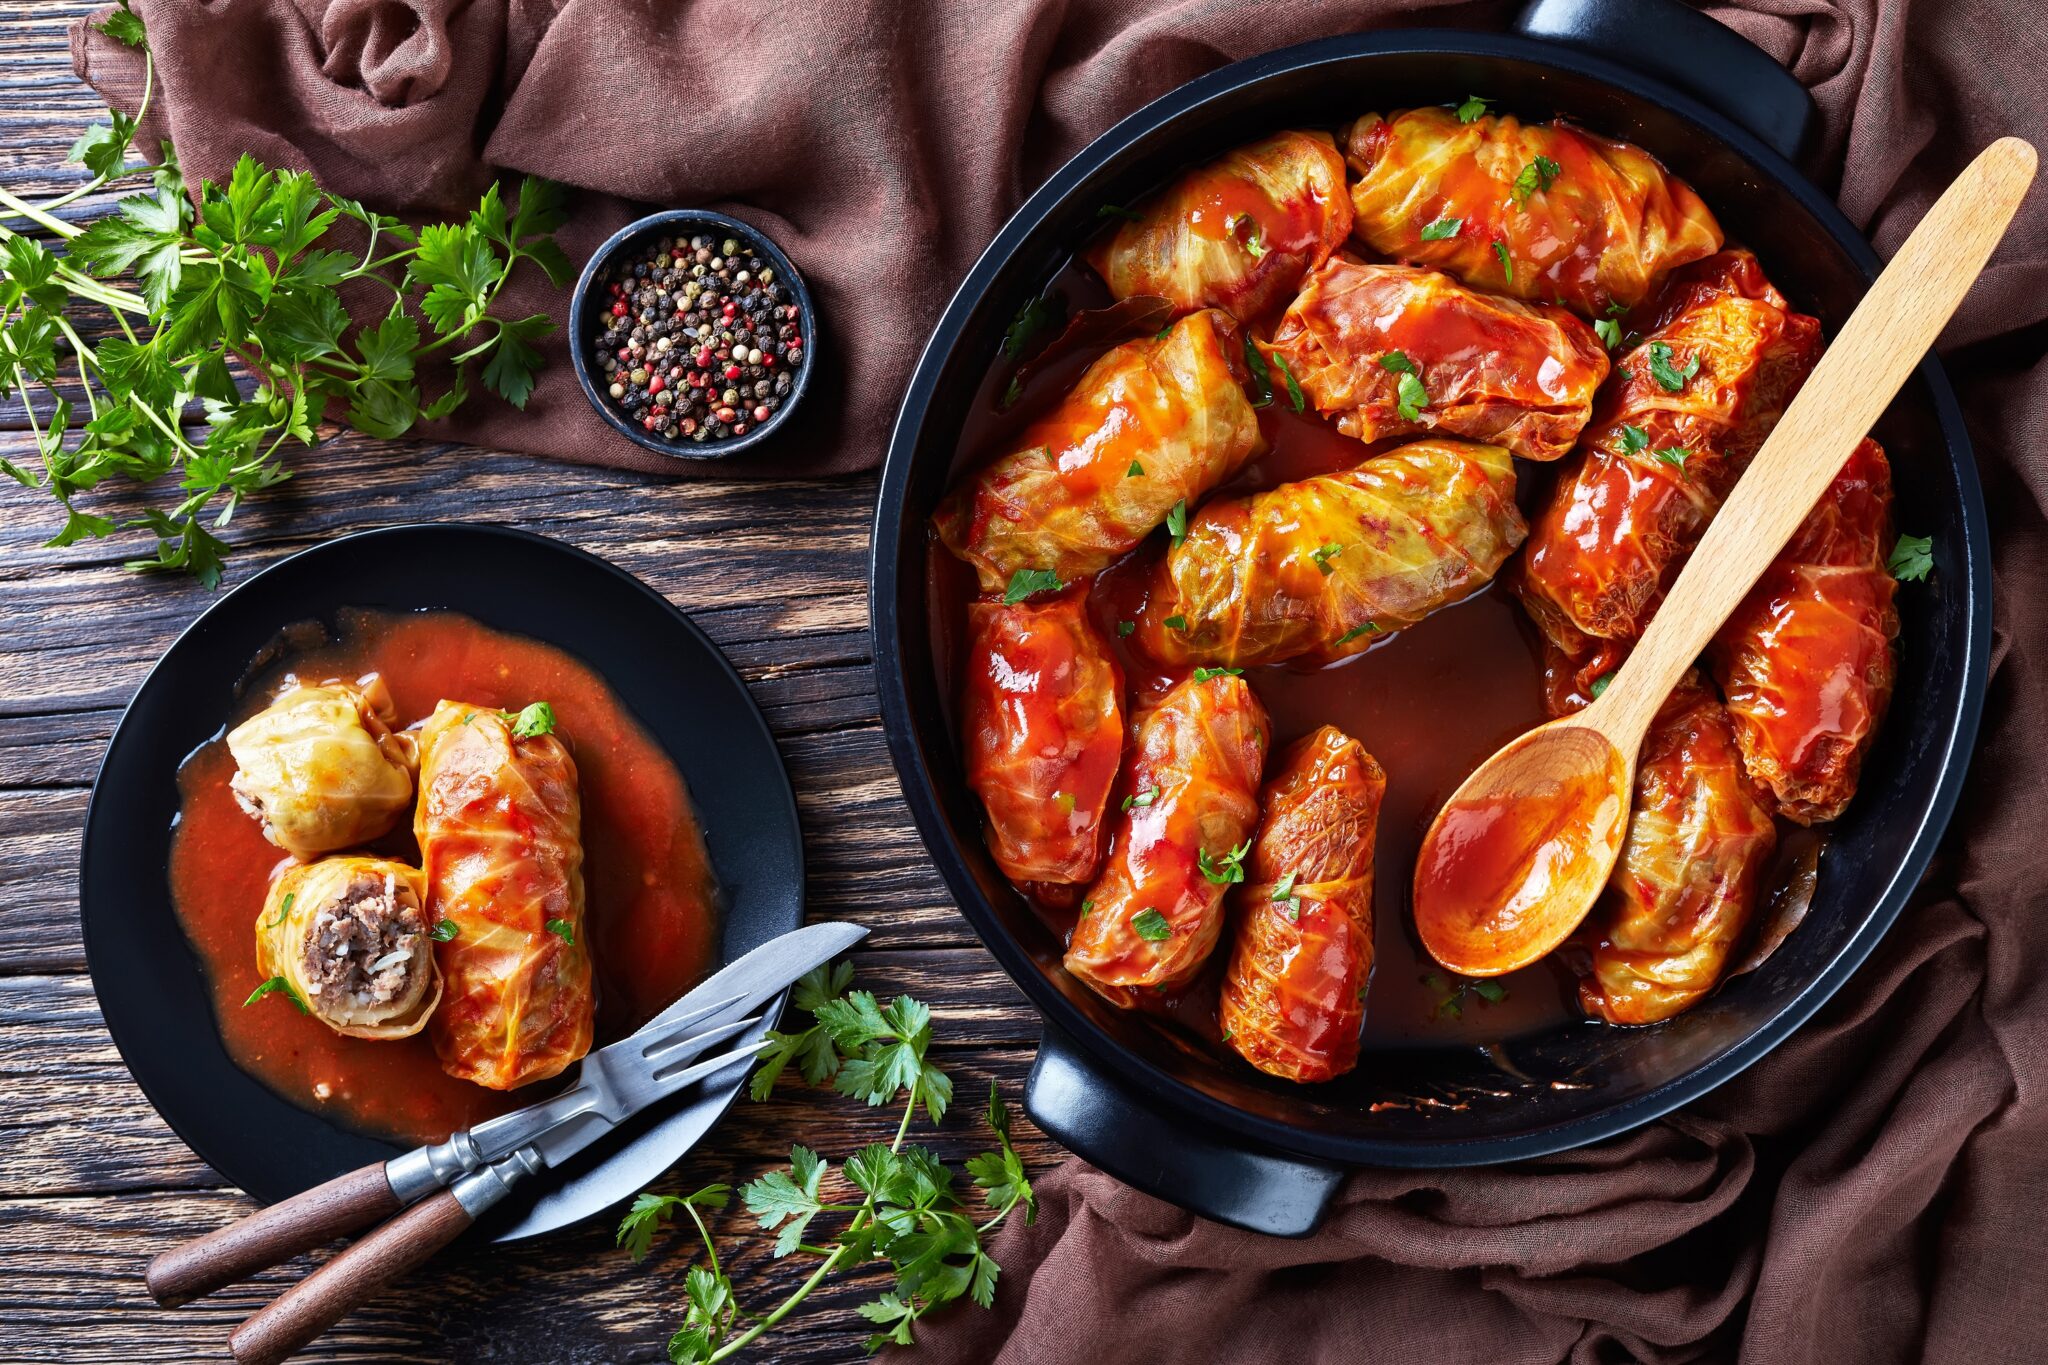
{"type": "Point", "coordinates": [270, 1236]}
{"type": "Point", "coordinates": [1879, 347]}
{"type": "Point", "coordinates": [320, 1300]}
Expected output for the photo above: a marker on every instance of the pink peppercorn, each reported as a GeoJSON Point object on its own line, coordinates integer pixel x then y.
{"type": "Point", "coordinates": [761, 413]}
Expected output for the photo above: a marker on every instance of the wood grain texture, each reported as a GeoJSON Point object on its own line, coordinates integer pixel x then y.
{"type": "Point", "coordinates": [93, 1184]}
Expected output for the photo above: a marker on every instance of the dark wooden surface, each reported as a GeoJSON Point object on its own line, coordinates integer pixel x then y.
{"type": "Point", "coordinates": [92, 1183]}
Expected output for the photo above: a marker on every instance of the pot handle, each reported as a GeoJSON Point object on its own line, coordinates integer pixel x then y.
{"type": "Point", "coordinates": [1682, 47]}
{"type": "Point", "coordinates": [1100, 1120]}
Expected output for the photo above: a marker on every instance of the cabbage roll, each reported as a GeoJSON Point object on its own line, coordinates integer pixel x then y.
{"type": "Point", "coordinates": [1389, 350]}
{"type": "Point", "coordinates": [1697, 399]}
{"type": "Point", "coordinates": [1044, 732]}
{"type": "Point", "coordinates": [500, 833]}
{"type": "Point", "coordinates": [1237, 234]}
{"type": "Point", "coordinates": [1152, 425]}
{"type": "Point", "coordinates": [1294, 993]}
{"type": "Point", "coordinates": [1190, 801]}
{"type": "Point", "coordinates": [320, 767]}
{"type": "Point", "coordinates": [1538, 210]}
{"type": "Point", "coordinates": [1685, 887]}
{"type": "Point", "coordinates": [349, 936]}
{"type": "Point", "coordinates": [1807, 660]}
{"type": "Point", "coordinates": [1324, 567]}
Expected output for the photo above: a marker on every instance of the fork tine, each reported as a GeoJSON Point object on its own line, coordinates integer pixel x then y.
{"type": "Point", "coordinates": [665, 1049]}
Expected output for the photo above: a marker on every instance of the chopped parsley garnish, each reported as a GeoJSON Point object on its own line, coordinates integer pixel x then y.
{"type": "Point", "coordinates": [1011, 393]}
{"type": "Point", "coordinates": [1452, 1005]}
{"type": "Point", "coordinates": [1507, 267]}
{"type": "Point", "coordinates": [1369, 628]}
{"type": "Point", "coordinates": [562, 930]}
{"type": "Point", "coordinates": [1609, 332]}
{"type": "Point", "coordinates": [1535, 177]}
{"type": "Point", "coordinates": [1410, 397]}
{"type": "Point", "coordinates": [1633, 439]}
{"type": "Point", "coordinates": [1136, 471]}
{"type": "Point", "coordinates": [1086, 906]}
{"type": "Point", "coordinates": [1124, 628]}
{"type": "Point", "coordinates": [1472, 108]}
{"type": "Point", "coordinates": [1151, 926]}
{"type": "Point", "coordinates": [536, 719]}
{"type": "Point", "coordinates": [445, 932]}
{"type": "Point", "coordinates": [1204, 674]}
{"type": "Point", "coordinates": [1284, 897]}
{"type": "Point", "coordinates": [1226, 870]}
{"type": "Point", "coordinates": [1034, 317]}
{"type": "Point", "coordinates": [1675, 456]}
{"type": "Point", "coordinates": [1442, 228]}
{"type": "Point", "coordinates": [271, 987]}
{"type": "Point", "coordinates": [1143, 798]}
{"type": "Point", "coordinates": [1025, 582]}
{"type": "Point", "coordinates": [1064, 801]}
{"type": "Point", "coordinates": [1176, 622]}
{"type": "Point", "coordinates": [284, 908]}
{"type": "Point", "coordinates": [1599, 686]}
{"type": "Point", "coordinates": [1661, 369]}
{"type": "Point", "coordinates": [1261, 372]}
{"type": "Point", "coordinates": [1324, 553]}
{"type": "Point", "coordinates": [1119, 211]}
{"type": "Point", "coordinates": [1294, 394]}
{"type": "Point", "coordinates": [1177, 521]}
{"type": "Point", "coordinates": [1251, 241]}
{"type": "Point", "coordinates": [1912, 559]}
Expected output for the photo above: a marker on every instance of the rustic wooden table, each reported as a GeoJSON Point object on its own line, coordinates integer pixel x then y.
{"type": "Point", "coordinates": [92, 1183]}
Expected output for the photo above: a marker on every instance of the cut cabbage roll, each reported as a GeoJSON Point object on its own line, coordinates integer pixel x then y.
{"type": "Point", "coordinates": [1237, 234]}
{"type": "Point", "coordinates": [1152, 425]}
{"type": "Point", "coordinates": [1537, 210]}
{"type": "Point", "coordinates": [1294, 993]}
{"type": "Point", "coordinates": [1700, 394]}
{"type": "Point", "coordinates": [1389, 350]}
{"type": "Point", "coordinates": [1044, 731]}
{"type": "Point", "coordinates": [1190, 801]}
{"type": "Point", "coordinates": [500, 833]}
{"type": "Point", "coordinates": [320, 767]}
{"type": "Point", "coordinates": [1324, 567]}
{"type": "Point", "coordinates": [1685, 887]}
{"type": "Point", "coordinates": [350, 936]}
{"type": "Point", "coordinates": [1807, 660]}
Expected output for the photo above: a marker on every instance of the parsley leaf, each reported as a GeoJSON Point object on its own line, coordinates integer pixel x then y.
{"type": "Point", "coordinates": [1369, 628]}
{"type": "Point", "coordinates": [1284, 897]}
{"type": "Point", "coordinates": [1912, 559]}
{"type": "Point", "coordinates": [1472, 108]}
{"type": "Point", "coordinates": [1535, 178]}
{"type": "Point", "coordinates": [1150, 925]}
{"type": "Point", "coordinates": [1324, 553]}
{"type": "Point", "coordinates": [1136, 471]}
{"type": "Point", "coordinates": [284, 908]}
{"type": "Point", "coordinates": [1294, 394]}
{"type": "Point", "coordinates": [1609, 332]}
{"type": "Point", "coordinates": [537, 718]}
{"type": "Point", "coordinates": [1226, 870]}
{"type": "Point", "coordinates": [1037, 315]}
{"type": "Point", "coordinates": [1410, 397]}
{"type": "Point", "coordinates": [650, 1211]}
{"type": "Point", "coordinates": [1029, 582]}
{"type": "Point", "coordinates": [446, 931]}
{"type": "Point", "coordinates": [1633, 439]}
{"type": "Point", "coordinates": [1204, 674]}
{"type": "Point", "coordinates": [1143, 798]}
{"type": "Point", "coordinates": [1661, 369]}
{"type": "Point", "coordinates": [1176, 622]}
{"type": "Point", "coordinates": [1599, 685]}
{"type": "Point", "coordinates": [273, 986]}
{"type": "Point", "coordinates": [1441, 229]}
{"type": "Point", "coordinates": [1261, 372]}
{"type": "Point", "coordinates": [1177, 522]}
{"type": "Point", "coordinates": [1675, 456]}
{"type": "Point", "coordinates": [1507, 266]}
{"type": "Point", "coordinates": [1125, 628]}
{"type": "Point", "coordinates": [562, 930]}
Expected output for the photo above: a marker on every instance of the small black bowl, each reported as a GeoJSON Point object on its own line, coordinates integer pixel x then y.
{"type": "Point", "coordinates": [584, 325]}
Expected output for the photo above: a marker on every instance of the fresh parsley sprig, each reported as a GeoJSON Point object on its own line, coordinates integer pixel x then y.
{"type": "Point", "coordinates": [249, 272]}
{"type": "Point", "coordinates": [910, 1214]}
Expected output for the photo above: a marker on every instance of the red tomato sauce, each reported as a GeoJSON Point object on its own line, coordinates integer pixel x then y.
{"type": "Point", "coordinates": [652, 903]}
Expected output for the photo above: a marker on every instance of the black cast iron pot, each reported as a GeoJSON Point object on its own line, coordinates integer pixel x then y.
{"type": "Point", "coordinates": [1204, 1131]}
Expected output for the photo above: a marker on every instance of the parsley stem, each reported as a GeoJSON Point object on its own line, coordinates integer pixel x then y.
{"type": "Point", "coordinates": [85, 357]}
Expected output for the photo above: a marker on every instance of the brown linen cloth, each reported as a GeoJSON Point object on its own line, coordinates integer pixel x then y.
{"type": "Point", "coordinates": [1871, 1192]}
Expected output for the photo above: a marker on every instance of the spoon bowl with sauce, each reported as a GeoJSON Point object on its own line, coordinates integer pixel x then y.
{"type": "Point", "coordinates": [1518, 855]}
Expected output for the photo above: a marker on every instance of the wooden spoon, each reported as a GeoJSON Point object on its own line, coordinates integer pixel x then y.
{"type": "Point", "coordinates": [1520, 852]}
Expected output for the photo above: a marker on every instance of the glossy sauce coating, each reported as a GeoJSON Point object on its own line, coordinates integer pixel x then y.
{"type": "Point", "coordinates": [1152, 424]}
{"type": "Point", "coordinates": [1610, 223]}
{"type": "Point", "coordinates": [1293, 997]}
{"type": "Point", "coordinates": [1807, 661]}
{"type": "Point", "coordinates": [1492, 369]}
{"type": "Point", "coordinates": [1191, 790]}
{"type": "Point", "coordinates": [1238, 233]}
{"type": "Point", "coordinates": [652, 901]}
{"type": "Point", "coordinates": [1043, 726]}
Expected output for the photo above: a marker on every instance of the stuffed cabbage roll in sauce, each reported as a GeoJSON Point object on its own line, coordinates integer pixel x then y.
{"type": "Point", "coordinates": [1237, 234]}
{"type": "Point", "coordinates": [1323, 567]}
{"type": "Point", "coordinates": [1807, 660]}
{"type": "Point", "coordinates": [1191, 799]}
{"type": "Point", "coordinates": [1536, 210]}
{"type": "Point", "coordinates": [1389, 350]}
{"type": "Point", "coordinates": [1294, 994]}
{"type": "Point", "coordinates": [321, 768]}
{"type": "Point", "coordinates": [349, 935]}
{"type": "Point", "coordinates": [500, 834]}
{"type": "Point", "coordinates": [1153, 424]}
{"type": "Point", "coordinates": [1044, 731]}
{"type": "Point", "coordinates": [1701, 392]}
{"type": "Point", "coordinates": [1685, 887]}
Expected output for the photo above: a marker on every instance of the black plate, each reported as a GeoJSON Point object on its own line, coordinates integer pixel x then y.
{"type": "Point", "coordinates": [1204, 1130]}
{"type": "Point", "coordinates": [151, 987]}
